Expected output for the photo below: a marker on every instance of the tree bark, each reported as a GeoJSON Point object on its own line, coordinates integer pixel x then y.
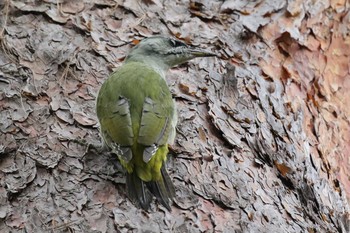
{"type": "Point", "coordinates": [263, 139]}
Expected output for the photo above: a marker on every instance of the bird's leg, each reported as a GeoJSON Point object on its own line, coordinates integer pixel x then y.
{"type": "Point", "coordinates": [114, 160]}
{"type": "Point", "coordinates": [91, 147]}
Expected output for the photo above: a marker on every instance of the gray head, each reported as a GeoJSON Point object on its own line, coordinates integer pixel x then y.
{"type": "Point", "coordinates": [164, 52]}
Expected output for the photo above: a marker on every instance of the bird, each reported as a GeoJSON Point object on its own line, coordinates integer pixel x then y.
{"type": "Point", "coordinates": [137, 116]}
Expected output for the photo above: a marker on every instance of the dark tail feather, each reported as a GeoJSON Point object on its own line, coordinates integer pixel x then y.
{"type": "Point", "coordinates": [168, 183]}
{"type": "Point", "coordinates": [163, 189]}
{"type": "Point", "coordinates": [140, 192]}
{"type": "Point", "coordinates": [137, 191]}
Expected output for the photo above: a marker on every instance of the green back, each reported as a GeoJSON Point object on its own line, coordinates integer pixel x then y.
{"type": "Point", "coordinates": [136, 110]}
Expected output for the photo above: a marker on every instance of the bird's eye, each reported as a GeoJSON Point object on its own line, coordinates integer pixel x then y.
{"type": "Point", "coordinates": [177, 43]}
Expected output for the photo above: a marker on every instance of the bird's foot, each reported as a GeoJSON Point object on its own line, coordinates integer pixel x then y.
{"type": "Point", "coordinates": [91, 147]}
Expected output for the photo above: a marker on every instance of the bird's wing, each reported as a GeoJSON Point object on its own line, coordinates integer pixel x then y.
{"type": "Point", "coordinates": [156, 124]}
{"type": "Point", "coordinates": [116, 127]}
{"type": "Point", "coordinates": [135, 105]}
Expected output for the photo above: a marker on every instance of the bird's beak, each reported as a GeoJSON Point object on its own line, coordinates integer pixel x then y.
{"type": "Point", "coordinates": [197, 52]}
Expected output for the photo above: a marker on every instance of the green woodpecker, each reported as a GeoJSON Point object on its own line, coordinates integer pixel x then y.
{"type": "Point", "coordinates": [137, 116]}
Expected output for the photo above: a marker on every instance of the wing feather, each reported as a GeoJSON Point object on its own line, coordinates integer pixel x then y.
{"type": "Point", "coordinates": [155, 126]}
{"type": "Point", "coordinates": [119, 120]}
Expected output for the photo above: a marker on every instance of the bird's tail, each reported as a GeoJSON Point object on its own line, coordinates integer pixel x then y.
{"type": "Point", "coordinates": [141, 192]}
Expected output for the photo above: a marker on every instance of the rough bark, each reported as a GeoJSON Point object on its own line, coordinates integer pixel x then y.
{"type": "Point", "coordinates": [263, 140]}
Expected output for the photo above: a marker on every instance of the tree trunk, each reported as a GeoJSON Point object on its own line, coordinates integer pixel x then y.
{"type": "Point", "coordinates": [263, 139]}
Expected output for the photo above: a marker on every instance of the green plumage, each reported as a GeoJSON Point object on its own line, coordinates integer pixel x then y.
{"type": "Point", "coordinates": [144, 125]}
{"type": "Point", "coordinates": [138, 118]}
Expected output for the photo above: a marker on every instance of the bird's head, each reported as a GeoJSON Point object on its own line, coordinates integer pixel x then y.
{"type": "Point", "coordinates": [166, 52]}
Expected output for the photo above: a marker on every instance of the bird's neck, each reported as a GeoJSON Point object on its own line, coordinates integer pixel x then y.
{"type": "Point", "coordinates": [156, 64]}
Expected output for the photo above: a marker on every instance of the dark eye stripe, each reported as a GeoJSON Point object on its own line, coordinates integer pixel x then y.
{"type": "Point", "coordinates": [177, 43]}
